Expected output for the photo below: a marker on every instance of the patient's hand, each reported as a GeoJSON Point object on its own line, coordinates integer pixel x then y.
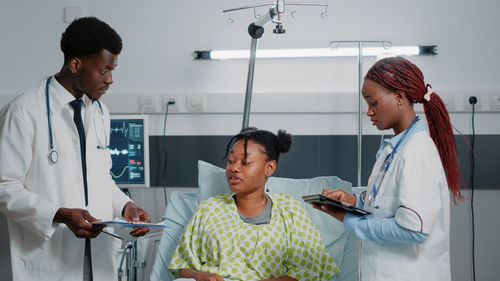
{"type": "Point", "coordinates": [207, 276]}
{"type": "Point", "coordinates": [286, 278]}
{"type": "Point", "coordinates": [199, 276]}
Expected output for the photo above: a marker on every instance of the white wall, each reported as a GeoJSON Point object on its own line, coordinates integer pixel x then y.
{"type": "Point", "coordinates": [159, 38]}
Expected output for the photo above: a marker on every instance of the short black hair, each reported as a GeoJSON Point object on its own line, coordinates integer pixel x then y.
{"type": "Point", "coordinates": [273, 144]}
{"type": "Point", "coordinates": [88, 36]}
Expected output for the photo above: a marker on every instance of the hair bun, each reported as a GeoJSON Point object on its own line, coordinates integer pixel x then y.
{"type": "Point", "coordinates": [284, 141]}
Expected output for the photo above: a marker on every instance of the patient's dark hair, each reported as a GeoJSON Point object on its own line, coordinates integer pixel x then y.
{"type": "Point", "coordinates": [273, 144]}
{"type": "Point", "coordinates": [88, 36]}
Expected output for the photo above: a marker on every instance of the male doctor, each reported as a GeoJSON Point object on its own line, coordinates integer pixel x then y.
{"type": "Point", "coordinates": [54, 168]}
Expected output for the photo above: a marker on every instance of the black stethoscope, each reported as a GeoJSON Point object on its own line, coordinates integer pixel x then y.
{"type": "Point", "coordinates": [53, 155]}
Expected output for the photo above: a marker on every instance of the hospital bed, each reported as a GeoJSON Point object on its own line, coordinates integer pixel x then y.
{"type": "Point", "coordinates": [342, 245]}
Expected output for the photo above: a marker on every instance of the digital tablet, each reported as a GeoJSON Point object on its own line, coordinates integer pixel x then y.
{"type": "Point", "coordinates": [321, 199]}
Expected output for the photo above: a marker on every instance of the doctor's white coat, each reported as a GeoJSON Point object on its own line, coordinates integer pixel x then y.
{"type": "Point", "coordinates": [415, 192]}
{"type": "Point", "coordinates": [32, 189]}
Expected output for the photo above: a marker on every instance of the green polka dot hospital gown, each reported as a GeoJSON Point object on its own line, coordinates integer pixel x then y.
{"type": "Point", "coordinates": [216, 240]}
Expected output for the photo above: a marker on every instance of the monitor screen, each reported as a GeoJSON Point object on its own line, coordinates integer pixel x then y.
{"type": "Point", "coordinates": [129, 149]}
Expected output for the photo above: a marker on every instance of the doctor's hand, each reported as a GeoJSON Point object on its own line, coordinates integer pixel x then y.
{"type": "Point", "coordinates": [340, 195]}
{"type": "Point", "coordinates": [133, 213]}
{"type": "Point", "coordinates": [79, 222]}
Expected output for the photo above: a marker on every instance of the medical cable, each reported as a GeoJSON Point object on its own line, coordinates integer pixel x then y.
{"type": "Point", "coordinates": [169, 103]}
{"type": "Point", "coordinates": [127, 192]}
{"type": "Point", "coordinates": [473, 101]}
{"type": "Point", "coordinates": [114, 235]}
{"type": "Point", "coordinates": [163, 182]}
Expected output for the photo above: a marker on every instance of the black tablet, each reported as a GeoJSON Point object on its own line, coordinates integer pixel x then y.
{"type": "Point", "coordinates": [321, 199]}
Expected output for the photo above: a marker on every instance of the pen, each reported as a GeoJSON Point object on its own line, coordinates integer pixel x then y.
{"type": "Point", "coordinates": [111, 234]}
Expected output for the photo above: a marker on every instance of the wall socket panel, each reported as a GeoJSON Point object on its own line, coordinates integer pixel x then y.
{"type": "Point", "coordinates": [468, 105]}
{"type": "Point", "coordinates": [487, 101]}
{"type": "Point", "coordinates": [195, 103]}
{"type": "Point", "coordinates": [148, 104]}
{"type": "Point", "coordinates": [157, 103]}
{"type": "Point", "coordinates": [173, 107]}
{"type": "Point", "coordinates": [455, 101]}
{"type": "Point", "coordinates": [494, 101]}
{"type": "Point", "coordinates": [449, 103]}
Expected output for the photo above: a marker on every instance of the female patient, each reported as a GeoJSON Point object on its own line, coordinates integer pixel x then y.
{"type": "Point", "coordinates": [249, 234]}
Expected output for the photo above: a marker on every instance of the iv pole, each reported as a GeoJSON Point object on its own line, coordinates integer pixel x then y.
{"type": "Point", "coordinates": [256, 30]}
{"type": "Point", "coordinates": [385, 45]}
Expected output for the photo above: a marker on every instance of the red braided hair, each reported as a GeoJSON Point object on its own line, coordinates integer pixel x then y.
{"type": "Point", "coordinates": [397, 73]}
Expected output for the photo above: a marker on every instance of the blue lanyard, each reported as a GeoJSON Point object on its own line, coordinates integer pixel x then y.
{"type": "Point", "coordinates": [388, 159]}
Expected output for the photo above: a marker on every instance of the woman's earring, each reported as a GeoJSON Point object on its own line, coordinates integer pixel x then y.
{"type": "Point", "coordinates": [399, 105]}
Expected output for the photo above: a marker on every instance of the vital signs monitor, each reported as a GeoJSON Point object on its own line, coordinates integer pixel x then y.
{"type": "Point", "coordinates": [129, 149]}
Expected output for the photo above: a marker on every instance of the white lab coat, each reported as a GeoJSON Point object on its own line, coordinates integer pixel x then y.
{"type": "Point", "coordinates": [415, 192]}
{"type": "Point", "coordinates": [32, 189]}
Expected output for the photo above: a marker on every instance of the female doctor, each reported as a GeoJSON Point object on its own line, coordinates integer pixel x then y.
{"type": "Point", "coordinates": [407, 235]}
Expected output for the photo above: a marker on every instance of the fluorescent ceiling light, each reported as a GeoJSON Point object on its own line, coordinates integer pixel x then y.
{"type": "Point", "coordinates": [317, 52]}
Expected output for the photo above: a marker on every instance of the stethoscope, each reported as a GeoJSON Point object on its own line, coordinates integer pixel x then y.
{"type": "Point", "coordinates": [387, 163]}
{"type": "Point", "coordinates": [53, 155]}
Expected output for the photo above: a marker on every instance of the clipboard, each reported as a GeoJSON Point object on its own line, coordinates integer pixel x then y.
{"type": "Point", "coordinates": [120, 223]}
{"type": "Point", "coordinates": [321, 199]}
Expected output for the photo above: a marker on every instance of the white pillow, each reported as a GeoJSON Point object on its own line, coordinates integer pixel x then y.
{"type": "Point", "coordinates": [212, 181]}
{"type": "Point", "coordinates": [180, 208]}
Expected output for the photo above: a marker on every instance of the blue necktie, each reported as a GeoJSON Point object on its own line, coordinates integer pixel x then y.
{"type": "Point", "coordinates": [77, 118]}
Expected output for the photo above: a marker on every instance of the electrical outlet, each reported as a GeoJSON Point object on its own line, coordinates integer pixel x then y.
{"type": "Point", "coordinates": [495, 101]}
{"type": "Point", "coordinates": [468, 106]}
{"type": "Point", "coordinates": [448, 102]}
{"type": "Point", "coordinates": [147, 104]}
{"type": "Point", "coordinates": [195, 103]}
{"type": "Point", "coordinates": [173, 106]}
